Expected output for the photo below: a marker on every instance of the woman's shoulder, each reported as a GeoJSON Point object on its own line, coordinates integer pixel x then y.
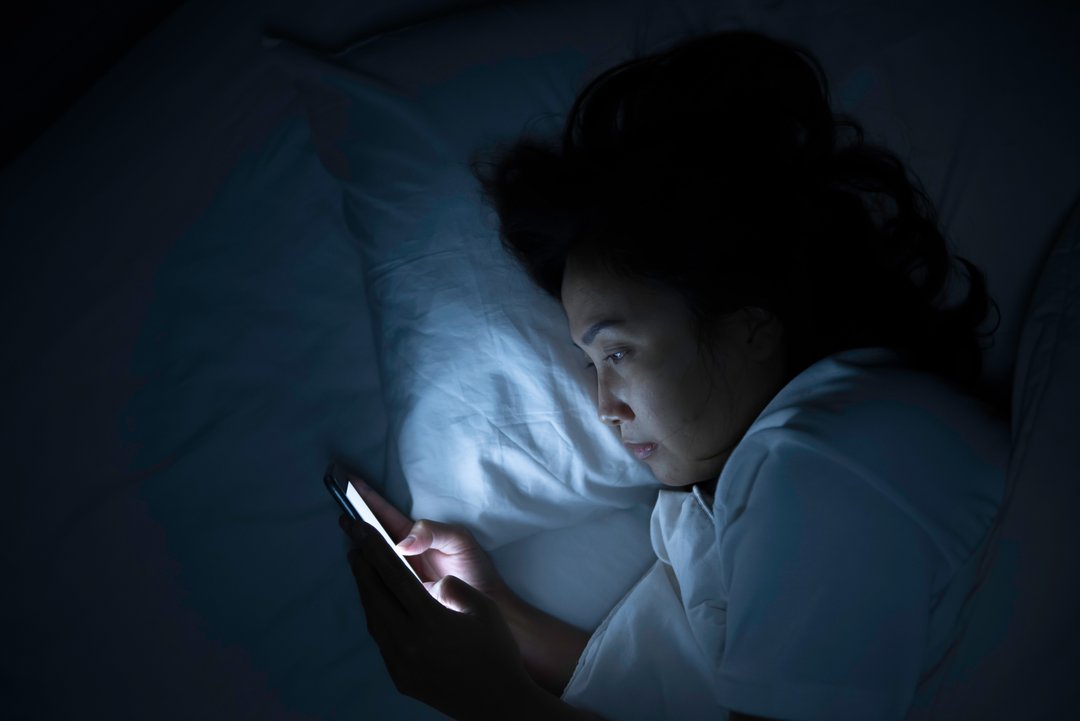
{"type": "Point", "coordinates": [870, 393]}
{"type": "Point", "coordinates": [910, 439]}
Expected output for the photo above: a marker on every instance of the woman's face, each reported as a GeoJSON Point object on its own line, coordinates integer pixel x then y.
{"type": "Point", "coordinates": [679, 411]}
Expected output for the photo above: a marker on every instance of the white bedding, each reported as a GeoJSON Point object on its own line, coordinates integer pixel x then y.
{"type": "Point", "coordinates": [187, 343]}
{"type": "Point", "coordinates": [826, 579]}
{"type": "Point", "coordinates": [189, 340]}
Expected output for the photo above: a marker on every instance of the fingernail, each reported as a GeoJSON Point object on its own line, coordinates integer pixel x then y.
{"type": "Point", "coordinates": [407, 542]}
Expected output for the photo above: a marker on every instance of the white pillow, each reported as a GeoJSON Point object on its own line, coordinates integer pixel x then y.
{"type": "Point", "coordinates": [484, 403]}
{"type": "Point", "coordinates": [492, 421]}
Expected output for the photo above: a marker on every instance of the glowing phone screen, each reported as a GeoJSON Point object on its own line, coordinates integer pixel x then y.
{"type": "Point", "coordinates": [365, 513]}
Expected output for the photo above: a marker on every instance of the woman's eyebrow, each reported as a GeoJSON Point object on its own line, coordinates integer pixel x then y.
{"type": "Point", "coordinates": [588, 336]}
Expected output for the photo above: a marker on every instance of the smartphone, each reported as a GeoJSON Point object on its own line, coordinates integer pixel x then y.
{"type": "Point", "coordinates": [350, 501]}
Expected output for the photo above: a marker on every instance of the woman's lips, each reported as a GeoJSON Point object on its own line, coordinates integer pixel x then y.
{"type": "Point", "coordinates": [641, 450]}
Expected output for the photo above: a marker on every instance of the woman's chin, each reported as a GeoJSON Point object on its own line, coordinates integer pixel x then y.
{"type": "Point", "coordinates": [673, 479]}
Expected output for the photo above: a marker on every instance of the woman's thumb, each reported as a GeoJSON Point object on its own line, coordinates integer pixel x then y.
{"type": "Point", "coordinates": [445, 537]}
{"type": "Point", "coordinates": [459, 596]}
{"type": "Point", "coordinates": [417, 541]}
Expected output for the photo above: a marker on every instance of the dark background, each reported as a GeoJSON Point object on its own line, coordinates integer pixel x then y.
{"type": "Point", "coordinates": [52, 51]}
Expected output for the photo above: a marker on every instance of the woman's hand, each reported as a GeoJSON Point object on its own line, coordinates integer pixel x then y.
{"type": "Point", "coordinates": [437, 549]}
{"type": "Point", "coordinates": [549, 647]}
{"type": "Point", "coordinates": [448, 646]}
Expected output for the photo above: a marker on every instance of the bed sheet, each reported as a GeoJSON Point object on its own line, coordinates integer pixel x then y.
{"type": "Point", "coordinates": [188, 343]}
{"type": "Point", "coordinates": [170, 410]}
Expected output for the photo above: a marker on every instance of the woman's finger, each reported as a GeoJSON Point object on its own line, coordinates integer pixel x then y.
{"type": "Point", "coordinates": [445, 537]}
{"type": "Point", "coordinates": [395, 578]}
{"type": "Point", "coordinates": [459, 596]}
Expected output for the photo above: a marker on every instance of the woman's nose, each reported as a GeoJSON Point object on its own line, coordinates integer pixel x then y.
{"type": "Point", "coordinates": [611, 419]}
{"type": "Point", "coordinates": [612, 411]}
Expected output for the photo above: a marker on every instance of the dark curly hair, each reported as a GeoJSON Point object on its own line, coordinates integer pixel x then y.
{"type": "Point", "coordinates": [717, 169]}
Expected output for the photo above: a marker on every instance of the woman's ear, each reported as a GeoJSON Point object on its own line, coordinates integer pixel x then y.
{"type": "Point", "coordinates": [764, 332]}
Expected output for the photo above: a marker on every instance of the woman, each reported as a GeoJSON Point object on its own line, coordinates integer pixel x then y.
{"type": "Point", "coordinates": [767, 303]}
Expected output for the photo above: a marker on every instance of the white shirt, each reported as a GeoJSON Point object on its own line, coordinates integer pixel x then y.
{"type": "Point", "coordinates": [826, 578]}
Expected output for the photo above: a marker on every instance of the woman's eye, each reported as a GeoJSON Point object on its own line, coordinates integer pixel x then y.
{"type": "Point", "coordinates": [613, 357]}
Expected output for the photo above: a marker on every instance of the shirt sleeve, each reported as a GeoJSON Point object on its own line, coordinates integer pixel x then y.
{"type": "Point", "coordinates": [829, 583]}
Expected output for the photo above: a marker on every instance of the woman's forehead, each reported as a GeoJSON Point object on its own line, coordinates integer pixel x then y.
{"type": "Point", "coordinates": [590, 289]}
{"type": "Point", "coordinates": [593, 294]}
